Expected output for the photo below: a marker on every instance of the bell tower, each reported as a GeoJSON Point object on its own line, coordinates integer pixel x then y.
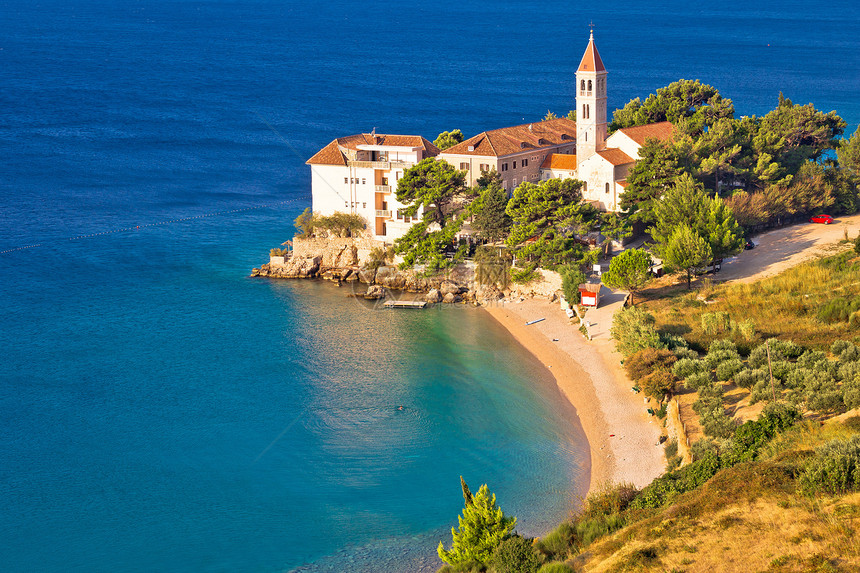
{"type": "Point", "coordinates": [590, 103]}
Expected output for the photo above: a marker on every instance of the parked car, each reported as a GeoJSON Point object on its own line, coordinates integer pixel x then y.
{"type": "Point", "coordinates": [824, 219]}
{"type": "Point", "coordinates": [748, 244]}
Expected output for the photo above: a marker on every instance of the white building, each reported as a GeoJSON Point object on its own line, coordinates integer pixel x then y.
{"type": "Point", "coordinates": [359, 174]}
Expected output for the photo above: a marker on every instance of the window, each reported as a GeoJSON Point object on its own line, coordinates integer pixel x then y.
{"type": "Point", "coordinates": [346, 179]}
{"type": "Point", "coordinates": [607, 187]}
{"type": "Point", "coordinates": [464, 167]}
{"type": "Point", "coordinates": [589, 86]}
{"type": "Point", "coordinates": [515, 182]}
{"type": "Point", "coordinates": [582, 86]}
{"type": "Point", "coordinates": [485, 167]}
{"type": "Point", "coordinates": [363, 181]}
{"type": "Point", "coordinates": [585, 185]}
{"type": "Point", "coordinates": [364, 205]}
{"type": "Point", "coordinates": [504, 166]}
{"type": "Point", "coordinates": [515, 165]}
{"type": "Point", "coordinates": [345, 204]}
{"type": "Point", "coordinates": [525, 162]}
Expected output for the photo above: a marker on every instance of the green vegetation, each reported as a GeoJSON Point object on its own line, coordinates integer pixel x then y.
{"type": "Point", "coordinates": [687, 252]}
{"type": "Point", "coordinates": [489, 208]}
{"type": "Point", "coordinates": [448, 139]}
{"type": "Point", "coordinates": [794, 305]}
{"type": "Point", "coordinates": [338, 224]}
{"type": "Point", "coordinates": [431, 186]}
{"type": "Point", "coordinates": [629, 271]}
{"type": "Point", "coordinates": [483, 526]}
{"type": "Point", "coordinates": [545, 217]}
{"type": "Point", "coordinates": [571, 278]}
{"type": "Point", "coordinates": [633, 330]}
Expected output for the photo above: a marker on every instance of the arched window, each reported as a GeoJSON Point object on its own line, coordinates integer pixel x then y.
{"type": "Point", "coordinates": [582, 85]}
{"type": "Point", "coordinates": [585, 185]}
{"type": "Point", "coordinates": [587, 112]}
{"type": "Point", "coordinates": [583, 111]}
{"type": "Point", "coordinates": [589, 85]}
{"type": "Point", "coordinates": [607, 187]}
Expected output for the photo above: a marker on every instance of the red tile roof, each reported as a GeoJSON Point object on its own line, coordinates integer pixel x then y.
{"type": "Point", "coordinates": [559, 161]}
{"type": "Point", "coordinates": [333, 153]}
{"type": "Point", "coordinates": [622, 183]}
{"type": "Point", "coordinates": [591, 61]}
{"type": "Point", "coordinates": [663, 130]}
{"type": "Point", "coordinates": [615, 156]}
{"type": "Point", "coordinates": [516, 139]}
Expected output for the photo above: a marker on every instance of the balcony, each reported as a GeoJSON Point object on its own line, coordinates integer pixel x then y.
{"type": "Point", "coordinates": [381, 164]}
{"type": "Point", "coordinates": [383, 213]}
{"type": "Point", "coordinates": [383, 188]}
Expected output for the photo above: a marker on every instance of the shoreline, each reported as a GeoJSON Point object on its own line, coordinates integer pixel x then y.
{"type": "Point", "coordinates": [622, 438]}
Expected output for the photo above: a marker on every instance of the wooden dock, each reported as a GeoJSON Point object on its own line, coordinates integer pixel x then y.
{"type": "Point", "coordinates": [404, 304]}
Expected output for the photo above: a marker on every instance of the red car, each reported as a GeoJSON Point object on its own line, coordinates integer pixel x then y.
{"type": "Point", "coordinates": [824, 219]}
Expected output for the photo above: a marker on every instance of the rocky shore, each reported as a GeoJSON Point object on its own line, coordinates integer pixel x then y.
{"type": "Point", "coordinates": [349, 261]}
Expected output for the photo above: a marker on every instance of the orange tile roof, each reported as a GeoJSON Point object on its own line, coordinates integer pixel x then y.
{"type": "Point", "coordinates": [615, 156]}
{"type": "Point", "coordinates": [622, 183]}
{"type": "Point", "coordinates": [559, 161]}
{"type": "Point", "coordinates": [591, 61]}
{"type": "Point", "coordinates": [663, 130]}
{"type": "Point", "coordinates": [516, 139]}
{"type": "Point", "coordinates": [332, 154]}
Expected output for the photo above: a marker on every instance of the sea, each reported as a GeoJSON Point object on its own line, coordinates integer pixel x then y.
{"type": "Point", "coordinates": [162, 411]}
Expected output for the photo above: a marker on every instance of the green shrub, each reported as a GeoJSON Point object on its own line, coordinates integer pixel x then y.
{"type": "Point", "coordinates": [686, 367]}
{"type": "Point", "coordinates": [304, 223]}
{"type": "Point", "coordinates": [525, 275]}
{"type": "Point", "coordinates": [838, 310]}
{"type": "Point", "coordinates": [728, 368]}
{"type": "Point", "coordinates": [698, 381]}
{"type": "Point", "coordinates": [673, 342]}
{"type": "Point", "coordinates": [558, 543]}
{"type": "Point", "coordinates": [834, 469]}
{"type": "Point", "coordinates": [779, 350]}
{"type": "Point", "coordinates": [589, 530]}
{"type": "Point", "coordinates": [850, 354]}
{"type": "Point", "coordinates": [848, 372]}
{"type": "Point", "coordinates": [667, 487]}
{"type": "Point", "coordinates": [715, 322]}
{"type": "Point", "coordinates": [516, 555]}
{"type": "Point", "coordinates": [717, 357]}
{"type": "Point", "coordinates": [557, 567]}
{"type": "Point", "coordinates": [857, 245]}
{"type": "Point", "coordinates": [722, 344]}
{"type": "Point", "coordinates": [571, 278]}
{"type": "Point", "coordinates": [748, 377]}
{"type": "Point", "coordinates": [608, 500]}
{"type": "Point", "coordinates": [703, 447]}
{"type": "Point", "coordinates": [838, 346]}
{"type": "Point", "coordinates": [746, 329]}
{"type": "Point", "coordinates": [647, 361]}
{"type": "Point", "coordinates": [682, 353]}
{"type": "Point", "coordinates": [276, 252]}
{"type": "Point", "coordinates": [633, 329]}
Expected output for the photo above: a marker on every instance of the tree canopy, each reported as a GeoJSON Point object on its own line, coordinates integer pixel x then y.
{"type": "Point", "coordinates": [448, 139]}
{"type": "Point", "coordinates": [482, 526]}
{"type": "Point", "coordinates": [686, 251]}
{"type": "Point", "coordinates": [691, 105]}
{"type": "Point", "coordinates": [546, 216]}
{"type": "Point", "coordinates": [491, 219]}
{"type": "Point", "coordinates": [629, 271]}
{"type": "Point", "coordinates": [687, 203]}
{"type": "Point", "coordinates": [432, 185]}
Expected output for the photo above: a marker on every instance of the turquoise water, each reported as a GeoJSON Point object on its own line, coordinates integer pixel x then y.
{"type": "Point", "coordinates": [162, 411]}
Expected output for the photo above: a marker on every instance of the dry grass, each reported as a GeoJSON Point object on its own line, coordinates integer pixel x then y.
{"type": "Point", "coordinates": [774, 532]}
{"type": "Point", "coordinates": [784, 306]}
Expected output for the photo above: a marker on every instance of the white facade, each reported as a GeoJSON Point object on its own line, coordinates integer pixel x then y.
{"type": "Point", "coordinates": [359, 174]}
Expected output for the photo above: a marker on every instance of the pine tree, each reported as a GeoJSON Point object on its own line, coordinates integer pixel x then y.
{"type": "Point", "coordinates": [686, 252]}
{"type": "Point", "coordinates": [483, 526]}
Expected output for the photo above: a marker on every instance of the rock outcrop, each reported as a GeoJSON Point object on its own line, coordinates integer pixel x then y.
{"type": "Point", "coordinates": [348, 260]}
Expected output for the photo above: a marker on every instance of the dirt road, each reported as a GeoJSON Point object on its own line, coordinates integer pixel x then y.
{"type": "Point", "coordinates": [780, 249]}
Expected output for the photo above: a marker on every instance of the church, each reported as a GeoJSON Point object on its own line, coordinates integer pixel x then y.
{"type": "Point", "coordinates": [359, 173]}
{"type": "Point", "coordinates": [602, 162]}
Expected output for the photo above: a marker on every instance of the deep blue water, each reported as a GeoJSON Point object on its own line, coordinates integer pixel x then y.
{"type": "Point", "coordinates": [161, 411]}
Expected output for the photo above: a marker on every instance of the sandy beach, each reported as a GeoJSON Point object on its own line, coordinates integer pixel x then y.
{"type": "Point", "coordinates": [622, 437]}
